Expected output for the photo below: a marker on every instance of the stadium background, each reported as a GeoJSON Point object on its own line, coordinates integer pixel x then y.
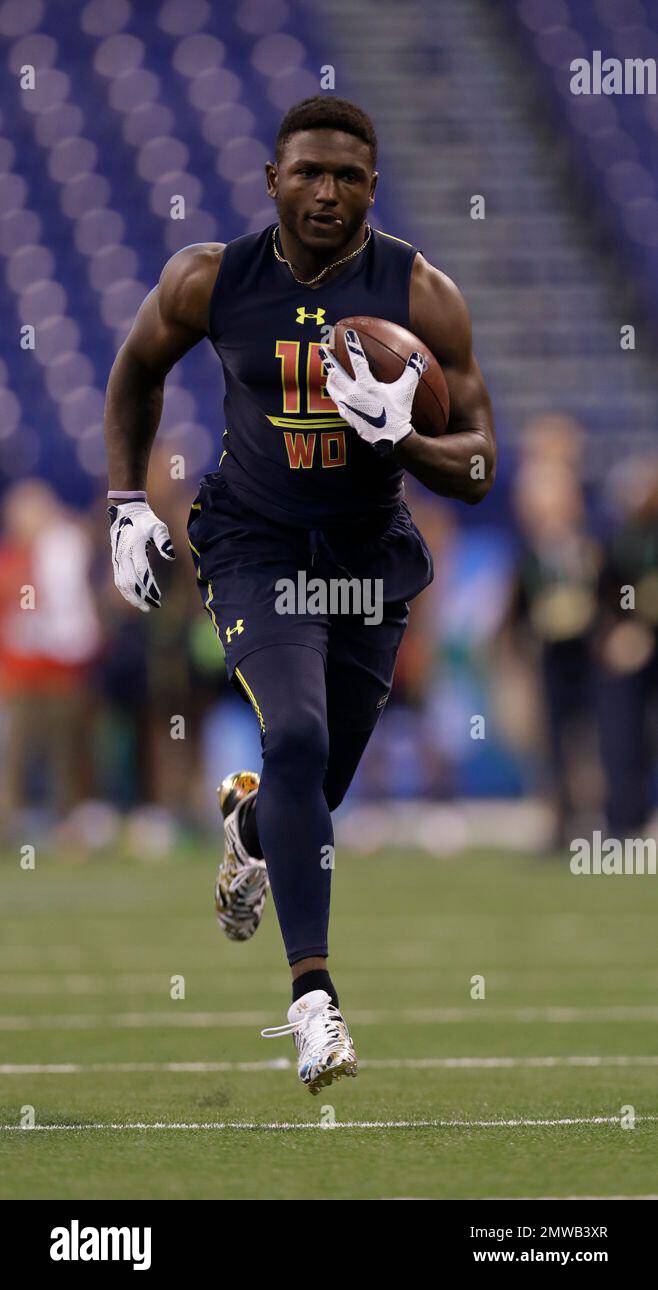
{"type": "Point", "coordinates": [522, 626]}
{"type": "Point", "coordinates": [135, 103]}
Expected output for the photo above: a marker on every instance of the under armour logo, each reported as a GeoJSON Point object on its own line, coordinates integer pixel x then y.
{"type": "Point", "coordinates": [230, 631]}
{"type": "Point", "coordinates": [304, 314]}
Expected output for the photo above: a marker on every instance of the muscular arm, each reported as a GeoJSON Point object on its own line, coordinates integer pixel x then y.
{"type": "Point", "coordinates": [439, 317]}
{"type": "Point", "coordinates": [172, 318]}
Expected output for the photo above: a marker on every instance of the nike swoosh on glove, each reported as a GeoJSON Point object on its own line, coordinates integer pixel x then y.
{"type": "Point", "coordinates": [133, 529]}
{"type": "Point", "coordinates": [379, 411]}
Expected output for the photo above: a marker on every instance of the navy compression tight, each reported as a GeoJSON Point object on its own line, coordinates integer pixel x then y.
{"type": "Point", "coordinates": [309, 759]}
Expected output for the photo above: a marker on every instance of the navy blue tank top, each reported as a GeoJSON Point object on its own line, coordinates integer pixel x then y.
{"type": "Point", "coordinates": [287, 451]}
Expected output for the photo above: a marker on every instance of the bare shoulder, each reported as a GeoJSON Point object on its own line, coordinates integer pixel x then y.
{"type": "Point", "coordinates": [186, 284]}
{"type": "Point", "coordinates": [438, 311]}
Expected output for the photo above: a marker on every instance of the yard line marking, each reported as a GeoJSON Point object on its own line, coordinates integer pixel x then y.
{"type": "Point", "coordinates": [285, 1064]}
{"type": "Point", "coordinates": [565, 1121]}
{"type": "Point", "coordinates": [132, 1068]}
{"type": "Point", "coordinates": [478, 1012]}
{"type": "Point", "coordinates": [505, 1063]}
{"type": "Point", "coordinates": [84, 983]}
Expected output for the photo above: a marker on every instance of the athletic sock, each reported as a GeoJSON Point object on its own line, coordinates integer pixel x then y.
{"type": "Point", "coordinates": [249, 829]}
{"type": "Point", "coordinates": [314, 979]}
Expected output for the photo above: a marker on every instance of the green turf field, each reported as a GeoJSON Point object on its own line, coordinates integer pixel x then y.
{"type": "Point", "coordinates": [570, 969]}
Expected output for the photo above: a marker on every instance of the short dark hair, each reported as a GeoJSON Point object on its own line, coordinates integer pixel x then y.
{"type": "Point", "coordinates": [324, 112]}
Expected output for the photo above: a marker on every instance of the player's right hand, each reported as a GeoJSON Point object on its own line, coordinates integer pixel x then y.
{"type": "Point", "coordinates": [379, 411]}
{"type": "Point", "coordinates": [133, 529]}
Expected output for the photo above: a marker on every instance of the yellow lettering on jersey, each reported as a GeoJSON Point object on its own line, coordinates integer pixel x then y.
{"type": "Point", "coordinates": [288, 353]}
{"type": "Point", "coordinates": [300, 449]}
{"type": "Point", "coordinates": [231, 631]}
{"type": "Point", "coordinates": [333, 455]}
{"type": "Point", "coordinates": [321, 410]}
{"type": "Point", "coordinates": [304, 314]}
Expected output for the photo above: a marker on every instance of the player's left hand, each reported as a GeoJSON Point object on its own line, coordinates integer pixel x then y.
{"type": "Point", "coordinates": [379, 411]}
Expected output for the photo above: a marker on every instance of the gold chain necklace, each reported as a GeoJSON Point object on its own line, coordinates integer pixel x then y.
{"type": "Point", "coordinates": [318, 276]}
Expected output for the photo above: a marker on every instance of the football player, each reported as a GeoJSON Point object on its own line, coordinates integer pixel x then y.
{"type": "Point", "coordinates": [310, 479]}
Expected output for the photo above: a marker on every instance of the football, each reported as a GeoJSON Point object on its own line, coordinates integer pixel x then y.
{"type": "Point", "coordinates": [387, 348]}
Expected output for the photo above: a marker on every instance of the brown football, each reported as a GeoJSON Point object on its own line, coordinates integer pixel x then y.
{"type": "Point", "coordinates": [387, 348]}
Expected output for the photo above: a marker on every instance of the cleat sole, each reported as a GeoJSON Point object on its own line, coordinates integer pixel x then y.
{"type": "Point", "coordinates": [332, 1075]}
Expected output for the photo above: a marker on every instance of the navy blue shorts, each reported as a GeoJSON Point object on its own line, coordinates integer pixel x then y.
{"type": "Point", "coordinates": [247, 565]}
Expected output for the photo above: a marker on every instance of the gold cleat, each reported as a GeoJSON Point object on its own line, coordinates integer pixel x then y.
{"type": "Point", "coordinates": [241, 885]}
{"type": "Point", "coordinates": [235, 788]}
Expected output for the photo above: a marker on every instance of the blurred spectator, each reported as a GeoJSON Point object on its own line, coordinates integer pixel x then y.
{"type": "Point", "coordinates": [555, 601]}
{"type": "Point", "coordinates": [553, 439]}
{"type": "Point", "coordinates": [627, 649]}
{"type": "Point", "coordinates": [158, 674]}
{"type": "Point", "coordinates": [49, 636]}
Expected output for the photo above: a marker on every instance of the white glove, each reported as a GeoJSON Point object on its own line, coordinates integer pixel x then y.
{"type": "Point", "coordinates": [379, 411]}
{"type": "Point", "coordinates": [134, 528]}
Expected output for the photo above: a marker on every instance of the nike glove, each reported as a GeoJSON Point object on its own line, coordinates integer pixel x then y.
{"type": "Point", "coordinates": [379, 411]}
{"type": "Point", "coordinates": [133, 529]}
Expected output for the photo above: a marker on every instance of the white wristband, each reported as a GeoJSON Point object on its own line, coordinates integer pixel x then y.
{"type": "Point", "coordinates": [138, 496]}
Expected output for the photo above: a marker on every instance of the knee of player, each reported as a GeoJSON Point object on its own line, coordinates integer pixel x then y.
{"type": "Point", "coordinates": [300, 741]}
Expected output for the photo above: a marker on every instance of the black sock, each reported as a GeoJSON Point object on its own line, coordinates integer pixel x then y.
{"type": "Point", "coordinates": [314, 979]}
{"type": "Point", "coordinates": [249, 829]}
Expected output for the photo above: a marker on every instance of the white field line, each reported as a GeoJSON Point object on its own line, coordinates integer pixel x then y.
{"type": "Point", "coordinates": [61, 984]}
{"type": "Point", "coordinates": [46, 958]}
{"type": "Point", "coordinates": [82, 983]}
{"type": "Point", "coordinates": [566, 1121]}
{"type": "Point", "coordinates": [79, 983]}
{"type": "Point", "coordinates": [31, 981]}
{"type": "Point", "coordinates": [285, 1064]}
{"type": "Point", "coordinates": [177, 1019]}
